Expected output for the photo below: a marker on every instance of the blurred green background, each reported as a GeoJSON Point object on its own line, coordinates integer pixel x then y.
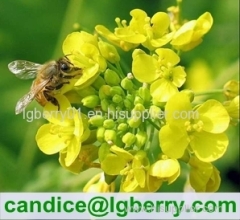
{"type": "Point", "coordinates": [34, 31]}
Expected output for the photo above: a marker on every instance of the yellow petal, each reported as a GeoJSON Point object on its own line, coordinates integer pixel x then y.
{"type": "Point", "coordinates": [167, 56]}
{"type": "Point", "coordinates": [47, 142]}
{"type": "Point", "coordinates": [179, 104]}
{"type": "Point", "coordinates": [72, 151]}
{"type": "Point", "coordinates": [204, 23]}
{"type": "Point", "coordinates": [144, 66]}
{"type": "Point", "coordinates": [209, 147]}
{"type": "Point", "coordinates": [164, 169]}
{"type": "Point", "coordinates": [153, 183]}
{"type": "Point", "coordinates": [214, 182]}
{"type": "Point", "coordinates": [55, 116]}
{"type": "Point", "coordinates": [121, 153]}
{"type": "Point", "coordinates": [173, 141]}
{"type": "Point", "coordinates": [113, 164]}
{"type": "Point", "coordinates": [129, 35]}
{"type": "Point", "coordinates": [214, 116]}
{"type": "Point", "coordinates": [179, 76]}
{"type": "Point", "coordinates": [72, 43]}
{"type": "Point", "coordinates": [162, 90]}
{"type": "Point", "coordinates": [160, 23]}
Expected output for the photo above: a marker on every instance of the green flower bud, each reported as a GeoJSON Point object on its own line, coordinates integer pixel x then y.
{"type": "Point", "coordinates": [141, 155]}
{"type": "Point", "coordinates": [134, 123]}
{"type": "Point", "coordinates": [105, 104]}
{"type": "Point", "coordinates": [130, 97]}
{"type": "Point", "coordinates": [138, 100]}
{"type": "Point", "coordinates": [117, 98]}
{"type": "Point", "coordinates": [104, 92]}
{"type": "Point", "coordinates": [136, 116]}
{"type": "Point", "coordinates": [91, 101]}
{"type": "Point", "coordinates": [100, 134]}
{"type": "Point", "coordinates": [139, 107]}
{"type": "Point", "coordinates": [110, 135]}
{"type": "Point", "coordinates": [98, 83]}
{"type": "Point", "coordinates": [141, 138]}
{"type": "Point", "coordinates": [122, 127]}
{"type": "Point", "coordinates": [190, 94]}
{"type": "Point", "coordinates": [111, 78]}
{"type": "Point", "coordinates": [96, 120]}
{"type": "Point", "coordinates": [141, 159]}
{"type": "Point", "coordinates": [144, 93]}
{"type": "Point", "coordinates": [86, 91]}
{"type": "Point", "coordinates": [127, 83]}
{"type": "Point", "coordinates": [119, 142]}
{"type": "Point", "coordinates": [109, 124]}
{"type": "Point", "coordinates": [111, 110]}
{"type": "Point", "coordinates": [109, 52]}
{"type": "Point", "coordinates": [128, 104]}
{"type": "Point", "coordinates": [117, 90]}
{"type": "Point", "coordinates": [128, 139]}
{"type": "Point", "coordinates": [156, 113]}
{"type": "Point", "coordinates": [119, 107]}
{"type": "Point", "coordinates": [121, 120]}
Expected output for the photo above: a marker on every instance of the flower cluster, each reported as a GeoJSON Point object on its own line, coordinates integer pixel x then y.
{"type": "Point", "coordinates": [119, 127]}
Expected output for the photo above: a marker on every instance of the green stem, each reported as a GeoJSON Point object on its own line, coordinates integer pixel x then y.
{"type": "Point", "coordinates": [111, 66]}
{"type": "Point", "coordinates": [120, 70]}
{"type": "Point", "coordinates": [151, 136]}
{"type": "Point", "coordinates": [153, 124]}
{"type": "Point", "coordinates": [179, 4]}
{"type": "Point", "coordinates": [116, 69]}
{"type": "Point", "coordinates": [214, 91]}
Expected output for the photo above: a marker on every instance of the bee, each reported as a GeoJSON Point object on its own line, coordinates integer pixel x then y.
{"type": "Point", "coordinates": [50, 77]}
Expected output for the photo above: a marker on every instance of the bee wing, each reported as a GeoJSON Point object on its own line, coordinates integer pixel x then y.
{"type": "Point", "coordinates": [24, 69]}
{"type": "Point", "coordinates": [24, 101]}
{"type": "Point", "coordinates": [29, 97]}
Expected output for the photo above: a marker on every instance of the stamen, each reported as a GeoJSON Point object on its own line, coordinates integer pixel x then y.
{"type": "Point", "coordinates": [118, 22]}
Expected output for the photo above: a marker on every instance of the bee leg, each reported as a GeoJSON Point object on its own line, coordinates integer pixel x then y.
{"type": "Point", "coordinates": [61, 85]}
{"type": "Point", "coordinates": [69, 77]}
{"type": "Point", "coordinates": [55, 102]}
{"type": "Point", "coordinates": [51, 99]}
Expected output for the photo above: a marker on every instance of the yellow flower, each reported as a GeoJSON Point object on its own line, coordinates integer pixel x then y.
{"type": "Point", "coordinates": [201, 130]}
{"type": "Point", "coordinates": [126, 37]}
{"type": "Point", "coordinates": [84, 161]}
{"type": "Point", "coordinates": [190, 34]}
{"type": "Point", "coordinates": [98, 185]}
{"type": "Point", "coordinates": [156, 31]}
{"type": "Point", "coordinates": [113, 159]}
{"type": "Point", "coordinates": [160, 70]}
{"type": "Point", "coordinates": [152, 32]}
{"type": "Point", "coordinates": [67, 129]}
{"type": "Point", "coordinates": [135, 173]}
{"type": "Point", "coordinates": [82, 49]}
{"type": "Point", "coordinates": [204, 177]}
{"type": "Point", "coordinates": [165, 169]}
